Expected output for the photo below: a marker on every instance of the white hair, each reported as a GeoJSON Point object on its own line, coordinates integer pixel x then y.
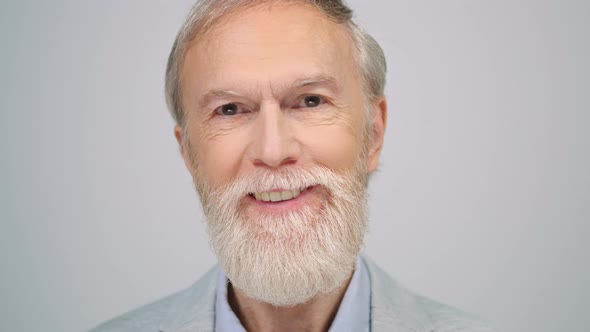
{"type": "Point", "coordinates": [206, 13]}
{"type": "Point", "coordinates": [287, 259]}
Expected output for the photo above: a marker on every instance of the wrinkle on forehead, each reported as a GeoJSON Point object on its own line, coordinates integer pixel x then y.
{"type": "Point", "coordinates": [296, 9]}
{"type": "Point", "coordinates": [259, 35]}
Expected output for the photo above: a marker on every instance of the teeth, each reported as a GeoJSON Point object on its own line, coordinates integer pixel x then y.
{"type": "Point", "coordinates": [285, 195]}
{"type": "Point", "coordinates": [277, 196]}
{"type": "Point", "coordinates": [265, 197]}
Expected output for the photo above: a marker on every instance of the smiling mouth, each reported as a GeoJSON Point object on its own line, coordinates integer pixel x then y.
{"type": "Point", "coordinates": [277, 195]}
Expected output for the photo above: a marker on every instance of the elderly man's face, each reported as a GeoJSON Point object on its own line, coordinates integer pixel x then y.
{"type": "Point", "coordinates": [273, 87]}
{"type": "Point", "coordinates": [273, 101]}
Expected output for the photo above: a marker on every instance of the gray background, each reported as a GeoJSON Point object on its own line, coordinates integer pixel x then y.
{"type": "Point", "coordinates": [482, 200]}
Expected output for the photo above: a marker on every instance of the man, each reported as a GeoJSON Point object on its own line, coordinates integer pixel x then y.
{"type": "Point", "coordinates": [280, 119]}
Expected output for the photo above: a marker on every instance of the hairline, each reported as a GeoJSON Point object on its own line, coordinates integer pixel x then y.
{"type": "Point", "coordinates": [191, 33]}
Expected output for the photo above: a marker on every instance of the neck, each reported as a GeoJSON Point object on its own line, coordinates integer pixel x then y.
{"type": "Point", "coordinates": [316, 314]}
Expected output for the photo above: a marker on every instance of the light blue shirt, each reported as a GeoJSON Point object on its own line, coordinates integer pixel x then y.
{"type": "Point", "coordinates": [354, 313]}
{"type": "Point", "coordinates": [392, 308]}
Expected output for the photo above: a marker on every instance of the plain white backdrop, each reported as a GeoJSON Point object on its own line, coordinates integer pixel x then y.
{"type": "Point", "coordinates": [482, 200]}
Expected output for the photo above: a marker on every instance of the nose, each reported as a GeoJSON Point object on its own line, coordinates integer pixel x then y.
{"type": "Point", "coordinates": [274, 143]}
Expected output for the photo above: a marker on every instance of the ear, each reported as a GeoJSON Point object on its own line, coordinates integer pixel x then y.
{"type": "Point", "coordinates": [379, 110]}
{"type": "Point", "coordinates": [178, 133]}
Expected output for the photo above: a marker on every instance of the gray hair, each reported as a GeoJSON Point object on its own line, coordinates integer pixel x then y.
{"type": "Point", "coordinates": [205, 13]}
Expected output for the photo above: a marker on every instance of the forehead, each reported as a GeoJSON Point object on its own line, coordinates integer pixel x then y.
{"type": "Point", "coordinates": [270, 44]}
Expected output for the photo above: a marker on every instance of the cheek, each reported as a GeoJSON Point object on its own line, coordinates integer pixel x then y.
{"type": "Point", "coordinates": [220, 157]}
{"type": "Point", "coordinates": [335, 146]}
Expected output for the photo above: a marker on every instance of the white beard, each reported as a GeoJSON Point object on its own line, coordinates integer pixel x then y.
{"type": "Point", "coordinates": [287, 259]}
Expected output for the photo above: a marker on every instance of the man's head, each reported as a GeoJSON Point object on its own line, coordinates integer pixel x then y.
{"type": "Point", "coordinates": [280, 119]}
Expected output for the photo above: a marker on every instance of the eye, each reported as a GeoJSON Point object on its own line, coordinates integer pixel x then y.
{"type": "Point", "coordinates": [311, 101]}
{"type": "Point", "coordinates": [229, 109]}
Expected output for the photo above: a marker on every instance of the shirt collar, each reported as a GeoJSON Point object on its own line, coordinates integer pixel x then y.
{"type": "Point", "coordinates": [225, 319]}
{"type": "Point", "coordinates": [354, 313]}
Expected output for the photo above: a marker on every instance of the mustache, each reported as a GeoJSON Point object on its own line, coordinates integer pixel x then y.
{"type": "Point", "coordinates": [285, 178]}
{"type": "Point", "coordinates": [291, 178]}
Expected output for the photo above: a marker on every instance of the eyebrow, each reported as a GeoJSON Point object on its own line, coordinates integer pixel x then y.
{"type": "Point", "coordinates": [217, 94]}
{"type": "Point", "coordinates": [315, 81]}
{"type": "Point", "coordinates": [320, 80]}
